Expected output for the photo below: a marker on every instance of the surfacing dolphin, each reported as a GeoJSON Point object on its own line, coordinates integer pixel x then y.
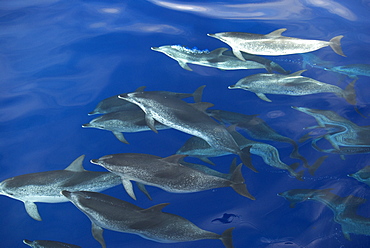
{"type": "Point", "coordinates": [167, 173]}
{"type": "Point", "coordinates": [274, 43]}
{"type": "Point", "coordinates": [117, 215]}
{"type": "Point", "coordinates": [128, 121]}
{"type": "Point", "coordinates": [216, 58]}
{"type": "Point", "coordinates": [293, 84]}
{"type": "Point", "coordinates": [114, 104]}
{"type": "Point", "coordinates": [48, 244]}
{"type": "Point", "coordinates": [46, 186]}
{"type": "Point", "coordinates": [188, 118]}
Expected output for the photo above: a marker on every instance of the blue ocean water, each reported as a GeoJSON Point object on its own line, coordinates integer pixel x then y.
{"type": "Point", "coordinates": [58, 59]}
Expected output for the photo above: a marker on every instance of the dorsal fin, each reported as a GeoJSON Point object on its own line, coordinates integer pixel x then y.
{"type": "Point", "coordinates": [297, 73]}
{"type": "Point", "coordinates": [140, 89]}
{"type": "Point", "coordinates": [174, 158]}
{"type": "Point", "coordinates": [218, 51]}
{"type": "Point", "coordinates": [276, 33]}
{"type": "Point", "coordinates": [76, 165]}
{"type": "Point", "coordinates": [232, 128]}
{"type": "Point", "coordinates": [202, 106]}
{"type": "Point", "coordinates": [156, 208]}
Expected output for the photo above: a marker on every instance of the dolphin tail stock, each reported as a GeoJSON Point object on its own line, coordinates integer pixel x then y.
{"type": "Point", "coordinates": [227, 238]}
{"type": "Point", "coordinates": [198, 93]}
{"type": "Point", "coordinates": [297, 175]}
{"type": "Point", "coordinates": [238, 183]}
{"type": "Point", "coordinates": [295, 153]}
{"type": "Point", "coordinates": [246, 158]}
{"type": "Point", "coordinates": [312, 169]}
{"type": "Point", "coordinates": [349, 93]}
{"type": "Point", "coordinates": [335, 45]}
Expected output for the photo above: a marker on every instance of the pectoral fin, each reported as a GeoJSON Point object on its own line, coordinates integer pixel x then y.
{"type": "Point", "coordinates": [238, 54]}
{"type": "Point", "coordinates": [263, 97]}
{"type": "Point", "coordinates": [128, 187]}
{"type": "Point", "coordinates": [150, 122]}
{"type": "Point", "coordinates": [97, 233]}
{"type": "Point", "coordinates": [32, 211]}
{"type": "Point", "coordinates": [184, 65]}
{"type": "Point", "coordinates": [143, 189]}
{"type": "Point", "coordinates": [120, 137]}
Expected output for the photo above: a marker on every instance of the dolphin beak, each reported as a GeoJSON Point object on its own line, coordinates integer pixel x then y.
{"type": "Point", "coordinates": [231, 87]}
{"type": "Point", "coordinates": [154, 48]}
{"type": "Point", "coordinates": [123, 96]}
{"type": "Point", "coordinates": [211, 35]}
{"type": "Point", "coordinates": [94, 161]}
{"type": "Point", "coordinates": [86, 125]}
{"type": "Point", "coordinates": [66, 194]}
{"type": "Point", "coordinates": [27, 242]}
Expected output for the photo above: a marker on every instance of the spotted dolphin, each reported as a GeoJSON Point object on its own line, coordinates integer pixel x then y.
{"type": "Point", "coordinates": [256, 128]}
{"type": "Point", "coordinates": [362, 175]}
{"type": "Point", "coordinates": [293, 84]}
{"type": "Point", "coordinates": [128, 121]}
{"type": "Point", "coordinates": [167, 173]}
{"type": "Point", "coordinates": [48, 244]}
{"type": "Point", "coordinates": [117, 215]}
{"type": "Point", "coordinates": [215, 58]}
{"type": "Point", "coordinates": [197, 147]}
{"type": "Point", "coordinates": [274, 43]}
{"type": "Point", "coordinates": [188, 118]}
{"type": "Point", "coordinates": [344, 208]}
{"type": "Point", "coordinates": [352, 70]}
{"type": "Point", "coordinates": [46, 186]}
{"type": "Point", "coordinates": [114, 104]}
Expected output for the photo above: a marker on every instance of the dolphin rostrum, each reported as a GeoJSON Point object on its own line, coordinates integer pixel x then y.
{"type": "Point", "coordinates": [128, 121]}
{"type": "Point", "coordinates": [48, 244]}
{"type": "Point", "coordinates": [167, 173]}
{"type": "Point", "coordinates": [362, 175]}
{"type": "Point", "coordinates": [188, 118]}
{"type": "Point", "coordinates": [117, 215]}
{"type": "Point", "coordinates": [46, 186]}
{"type": "Point", "coordinates": [214, 58]}
{"type": "Point", "coordinates": [114, 104]}
{"type": "Point", "coordinates": [274, 43]}
{"type": "Point", "coordinates": [293, 84]}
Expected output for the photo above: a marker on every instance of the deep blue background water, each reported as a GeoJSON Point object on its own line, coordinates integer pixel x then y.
{"type": "Point", "coordinates": [58, 59]}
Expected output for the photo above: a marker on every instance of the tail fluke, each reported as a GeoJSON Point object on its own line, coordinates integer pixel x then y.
{"type": "Point", "coordinates": [335, 45]}
{"type": "Point", "coordinates": [238, 183]}
{"type": "Point", "coordinates": [227, 238]}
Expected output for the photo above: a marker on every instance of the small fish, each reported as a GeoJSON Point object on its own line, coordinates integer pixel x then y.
{"type": "Point", "coordinates": [48, 244]}
{"type": "Point", "coordinates": [114, 104]}
{"type": "Point", "coordinates": [167, 173]}
{"type": "Point", "coordinates": [188, 118]}
{"type": "Point", "coordinates": [117, 215]}
{"type": "Point", "coordinates": [215, 58]}
{"type": "Point", "coordinates": [293, 84]}
{"type": "Point", "coordinates": [274, 43]}
{"type": "Point", "coordinates": [362, 175]}
{"type": "Point", "coordinates": [128, 121]}
{"type": "Point", "coordinates": [46, 186]}
{"type": "Point", "coordinates": [352, 70]}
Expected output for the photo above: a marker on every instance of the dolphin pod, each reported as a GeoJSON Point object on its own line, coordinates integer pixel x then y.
{"type": "Point", "coordinates": [214, 134]}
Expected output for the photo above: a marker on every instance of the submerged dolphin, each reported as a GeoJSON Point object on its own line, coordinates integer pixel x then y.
{"type": "Point", "coordinates": [114, 104]}
{"type": "Point", "coordinates": [46, 186]}
{"type": "Point", "coordinates": [197, 147]}
{"type": "Point", "coordinates": [293, 84]}
{"type": "Point", "coordinates": [352, 70]}
{"type": "Point", "coordinates": [128, 121]}
{"type": "Point", "coordinates": [214, 58]}
{"type": "Point", "coordinates": [347, 134]}
{"type": "Point", "coordinates": [48, 244]}
{"type": "Point", "coordinates": [167, 173]}
{"type": "Point", "coordinates": [274, 43]}
{"type": "Point", "coordinates": [343, 208]}
{"type": "Point", "coordinates": [117, 215]}
{"type": "Point", "coordinates": [362, 175]}
{"type": "Point", "coordinates": [188, 118]}
{"type": "Point", "coordinates": [256, 128]}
